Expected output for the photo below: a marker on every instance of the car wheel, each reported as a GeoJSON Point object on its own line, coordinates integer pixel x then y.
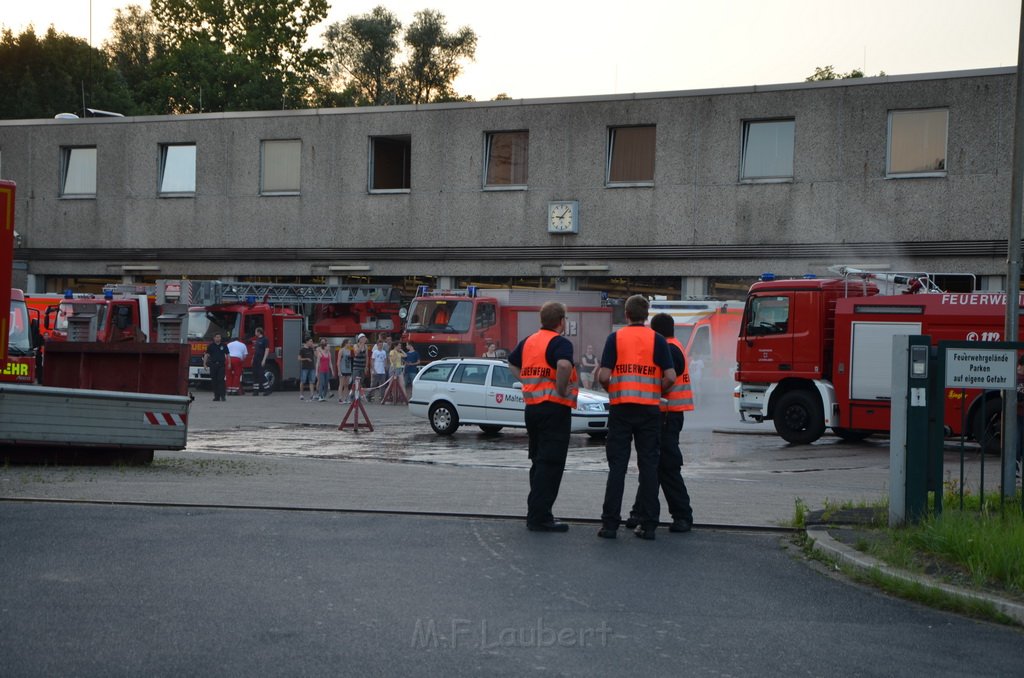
{"type": "Point", "coordinates": [490, 428]}
{"type": "Point", "coordinates": [443, 418]}
{"type": "Point", "coordinates": [798, 417]}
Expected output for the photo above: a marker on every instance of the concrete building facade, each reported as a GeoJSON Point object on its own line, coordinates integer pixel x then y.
{"type": "Point", "coordinates": [909, 172]}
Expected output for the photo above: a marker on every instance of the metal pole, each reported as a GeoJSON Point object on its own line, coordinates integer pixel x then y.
{"type": "Point", "coordinates": [1013, 266]}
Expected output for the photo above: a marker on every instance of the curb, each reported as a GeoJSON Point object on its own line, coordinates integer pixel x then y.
{"type": "Point", "coordinates": [823, 543]}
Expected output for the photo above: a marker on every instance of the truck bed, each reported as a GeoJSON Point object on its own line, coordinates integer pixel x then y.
{"type": "Point", "coordinates": [55, 417]}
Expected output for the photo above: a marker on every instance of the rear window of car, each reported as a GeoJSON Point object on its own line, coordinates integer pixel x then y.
{"type": "Point", "coordinates": [502, 377]}
{"type": "Point", "coordinates": [437, 373]}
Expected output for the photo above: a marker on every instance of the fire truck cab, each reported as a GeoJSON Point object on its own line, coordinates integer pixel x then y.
{"type": "Point", "coordinates": [19, 364]}
{"type": "Point", "coordinates": [462, 323]}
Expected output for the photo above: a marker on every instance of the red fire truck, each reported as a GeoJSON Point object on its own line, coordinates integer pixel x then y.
{"type": "Point", "coordinates": [707, 329]}
{"type": "Point", "coordinates": [237, 309]}
{"type": "Point", "coordinates": [19, 361]}
{"type": "Point", "coordinates": [451, 323]}
{"type": "Point", "coordinates": [817, 353]}
{"type": "Point", "coordinates": [122, 313]}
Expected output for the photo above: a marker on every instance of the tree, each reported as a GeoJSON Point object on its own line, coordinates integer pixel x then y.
{"type": "Point", "coordinates": [240, 54]}
{"type": "Point", "coordinates": [434, 57]}
{"type": "Point", "coordinates": [829, 73]}
{"type": "Point", "coordinates": [135, 48]}
{"type": "Point", "coordinates": [58, 74]}
{"type": "Point", "coordinates": [361, 53]}
{"type": "Point", "coordinates": [364, 50]}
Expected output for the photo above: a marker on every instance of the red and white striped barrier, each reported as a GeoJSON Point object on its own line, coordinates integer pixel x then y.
{"type": "Point", "coordinates": [164, 419]}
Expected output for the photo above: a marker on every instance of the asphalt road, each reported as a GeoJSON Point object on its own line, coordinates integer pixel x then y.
{"type": "Point", "coordinates": [278, 545]}
{"type": "Point", "coordinates": [155, 591]}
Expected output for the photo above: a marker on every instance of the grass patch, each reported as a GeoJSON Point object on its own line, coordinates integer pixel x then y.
{"type": "Point", "coordinates": [980, 547]}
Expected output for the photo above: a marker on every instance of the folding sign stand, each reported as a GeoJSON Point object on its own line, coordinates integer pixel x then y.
{"type": "Point", "coordinates": [394, 394]}
{"type": "Point", "coordinates": [353, 411]}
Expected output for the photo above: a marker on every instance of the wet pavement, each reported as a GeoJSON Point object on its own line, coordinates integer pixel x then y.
{"type": "Point", "coordinates": [279, 451]}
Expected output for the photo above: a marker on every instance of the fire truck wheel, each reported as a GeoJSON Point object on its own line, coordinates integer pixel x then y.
{"type": "Point", "coordinates": [443, 418]}
{"type": "Point", "coordinates": [987, 426]}
{"type": "Point", "coordinates": [850, 435]}
{"type": "Point", "coordinates": [798, 418]}
{"type": "Point", "coordinates": [271, 378]}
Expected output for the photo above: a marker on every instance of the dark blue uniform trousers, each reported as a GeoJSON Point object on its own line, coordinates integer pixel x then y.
{"type": "Point", "coordinates": [548, 425]}
{"type": "Point", "coordinates": [670, 476]}
{"type": "Point", "coordinates": [629, 424]}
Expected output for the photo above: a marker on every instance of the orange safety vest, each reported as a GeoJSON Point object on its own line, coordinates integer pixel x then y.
{"type": "Point", "coordinates": [538, 376]}
{"type": "Point", "coordinates": [680, 397]}
{"type": "Point", "coordinates": [635, 378]}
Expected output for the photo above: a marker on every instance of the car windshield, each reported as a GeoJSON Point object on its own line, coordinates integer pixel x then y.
{"type": "Point", "coordinates": [203, 324]}
{"type": "Point", "coordinates": [440, 315]}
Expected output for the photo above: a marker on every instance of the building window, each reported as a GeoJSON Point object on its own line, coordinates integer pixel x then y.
{"type": "Point", "coordinates": [177, 169]}
{"type": "Point", "coordinates": [917, 142]}
{"type": "Point", "coordinates": [767, 150]}
{"type": "Point", "coordinates": [390, 163]}
{"type": "Point", "coordinates": [279, 168]}
{"type": "Point", "coordinates": [507, 159]}
{"type": "Point", "coordinates": [631, 155]}
{"type": "Point", "coordinates": [78, 172]}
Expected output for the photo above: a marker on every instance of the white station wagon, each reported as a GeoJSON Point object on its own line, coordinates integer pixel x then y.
{"type": "Point", "coordinates": [482, 391]}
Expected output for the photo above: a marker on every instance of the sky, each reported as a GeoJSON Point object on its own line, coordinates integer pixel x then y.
{"type": "Point", "coordinates": [554, 48]}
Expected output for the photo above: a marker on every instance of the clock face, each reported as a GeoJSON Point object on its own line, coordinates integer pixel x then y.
{"type": "Point", "coordinates": [562, 216]}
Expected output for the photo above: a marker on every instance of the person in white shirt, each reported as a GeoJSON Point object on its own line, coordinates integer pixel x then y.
{"type": "Point", "coordinates": [237, 353]}
{"type": "Point", "coordinates": [378, 369]}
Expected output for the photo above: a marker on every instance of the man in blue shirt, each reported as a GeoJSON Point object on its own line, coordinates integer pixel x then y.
{"type": "Point", "coordinates": [260, 353]}
{"type": "Point", "coordinates": [412, 361]}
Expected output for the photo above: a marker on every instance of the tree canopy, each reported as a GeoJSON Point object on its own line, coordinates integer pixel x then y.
{"type": "Point", "coordinates": [56, 74]}
{"type": "Point", "coordinates": [830, 73]}
{"type": "Point", "coordinates": [364, 50]}
{"type": "Point", "coordinates": [187, 56]}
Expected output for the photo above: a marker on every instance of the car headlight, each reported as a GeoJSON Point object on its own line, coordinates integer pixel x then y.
{"type": "Point", "coordinates": [590, 407]}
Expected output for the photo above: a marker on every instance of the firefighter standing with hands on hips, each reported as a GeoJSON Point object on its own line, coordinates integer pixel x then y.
{"type": "Point", "coordinates": [636, 369]}
{"type": "Point", "coordinates": [678, 400]}
{"type": "Point", "coordinates": [543, 363]}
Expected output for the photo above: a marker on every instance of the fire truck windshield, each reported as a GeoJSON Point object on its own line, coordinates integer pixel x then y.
{"type": "Point", "coordinates": [440, 315]}
{"type": "Point", "coordinates": [203, 324]}
{"type": "Point", "coordinates": [68, 308]}
{"type": "Point", "coordinates": [19, 340]}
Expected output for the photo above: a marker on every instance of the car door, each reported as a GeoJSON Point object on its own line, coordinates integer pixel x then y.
{"type": "Point", "coordinates": [504, 401]}
{"type": "Point", "coordinates": [469, 392]}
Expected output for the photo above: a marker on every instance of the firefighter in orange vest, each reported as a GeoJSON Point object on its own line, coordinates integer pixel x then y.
{"type": "Point", "coordinates": [678, 400]}
{"type": "Point", "coordinates": [543, 363]}
{"type": "Point", "coordinates": [636, 369]}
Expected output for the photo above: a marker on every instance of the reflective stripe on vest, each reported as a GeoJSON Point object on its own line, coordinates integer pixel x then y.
{"type": "Point", "coordinates": [635, 378]}
{"type": "Point", "coordinates": [538, 377]}
{"type": "Point", "coordinates": [679, 397]}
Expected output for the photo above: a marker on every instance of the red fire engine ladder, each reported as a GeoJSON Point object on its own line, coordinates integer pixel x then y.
{"type": "Point", "coordinates": [212, 292]}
